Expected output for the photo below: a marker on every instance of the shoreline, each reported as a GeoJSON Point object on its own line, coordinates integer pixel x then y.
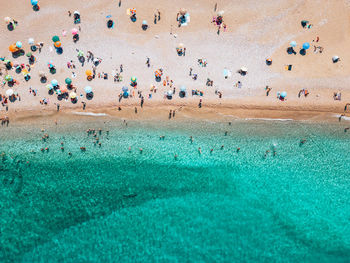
{"type": "Point", "coordinates": [159, 111]}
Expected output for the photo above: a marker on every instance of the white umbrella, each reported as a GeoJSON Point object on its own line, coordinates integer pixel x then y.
{"type": "Point", "coordinates": [76, 13]}
{"type": "Point", "coordinates": [335, 59]}
{"type": "Point", "coordinates": [31, 41]}
{"type": "Point", "coordinates": [244, 69]}
{"type": "Point", "coordinates": [170, 93]}
{"type": "Point", "coordinates": [9, 92]}
{"type": "Point", "coordinates": [72, 95]}
{"type": "Point", "coordinates": [221, 13]}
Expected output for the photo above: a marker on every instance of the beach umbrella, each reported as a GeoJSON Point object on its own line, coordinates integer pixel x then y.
{"type": "Point", "coordinates": [9, 92]}
{"type": "Point", "coordinates": [88, 89]}
{"type": "Point", "coordinates": [72, 95]}
{"type": "Point", "coordinates": [244, 69]}
{"type": "Point", "coordinates": [221, 13]}
{"type": "Point", "coordinates": [306, 45]}
{"type": "Point", "coordinates": [88, 72]}
{"type": "Point", "coordinates": [68, 81]}
{"type": "Point", "coordinates": [55, 38]}
{"type": "Point", "coordinates": [133, 79]}
{"type": "Point", "coordinates": [63, 89]}
{"type": "Point", "coordinates": [183, 88]}
{"type": "Point", "coordinates": [293, 44]}
{"type": "Point", "coordinates": [54, 82]}
{"type": "Point", "coordinates": [76, 13]}
{"type": "Point", "coordinates": [57, 44]}
{"type": "Point", "coordinates": [182, 11]}
{"type": "Point", "coordinates": [49, 87]}
{"type": "Point", "coordinates": [80, 53]}
{"type": "Point", "coordinates": [15, 63]}
{"type": "Point", "coordinates": [158, 73]}
{"type": "Point", "coordinates": [13, 48]}
{"type": "Point", "coordinates": [335, 59]}
{"type": "Point", "coordinates": [283, 94]}
{"type": "Point", "coordinates": [181, 46]}
{"type": "Point", "coordinates": [227, 73]}
{"type": "Point", "coordinates": [41, 74]}
{"type": "Point", "coordinates": [8, 78]}
{"type": "Point", "coordinates": [169, 93]}
{"type": "Point", "coordinates": [7, 19]}
{"type": "Point", "coordinates": [144, 22]}
{"type": "Point", "coordinates": [31, 41]}
{"type": "Point", "coordinates": [132, 11]}
{"type": "Point", "coordinates": [29, 54]}
{"type": "Point", "coordinates": [34, 2]}
{"type": "Point", "coordinates": [19, 44]}
{"type": "Point", "coordinates": [74, 31]}
{"type": "Point", "coordinates": [125, 89]}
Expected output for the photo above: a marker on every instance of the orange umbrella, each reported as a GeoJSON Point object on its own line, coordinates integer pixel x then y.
{"type": "Point", "coordinates": [88, 72]}
{"type": "Point", "coordinates": [63, 89]}
{"type": "Point", "coordinates": [57, 44]}
{"type": "Point", "coordinates": [13, 48]}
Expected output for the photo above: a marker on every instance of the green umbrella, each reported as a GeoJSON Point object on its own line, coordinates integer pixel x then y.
{"type": "Point", "coordinates": [29, 54]}
{"type": "Point", "coordinates": [133, 79]}
{"type": "Point", "coordinates": [55, 38]}
{"type": "Point", "coordinates": [68, 81]}
{"type": "Point", "coordinates": [8, 78]}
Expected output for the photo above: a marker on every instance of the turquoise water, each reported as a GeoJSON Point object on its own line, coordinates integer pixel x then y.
{"type": "Point", "coordinates": [110, 204]}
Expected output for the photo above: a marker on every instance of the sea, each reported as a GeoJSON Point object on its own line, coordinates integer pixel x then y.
{"type": "Point", "coordinates": [175, 191]}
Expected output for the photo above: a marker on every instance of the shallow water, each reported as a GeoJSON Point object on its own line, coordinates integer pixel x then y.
{"type": "Point", "coordinates": [111, 204]}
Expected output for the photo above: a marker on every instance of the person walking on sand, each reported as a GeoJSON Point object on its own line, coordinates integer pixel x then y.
{"type": "Point", "coordinates": [155, 19]}
{"type": "Point", "coordinates": [142, 101]}
{"type": "Point", "coordinates": [191, 71]}
{"type": "Point", "coordinates": [58, 107]}
{"type": "Point", "coordinates": [158, 15]}
{"type": "Point", "coordinates": [135, 110]}
{"type": "Point", "coordinates": [184, 51]}
{"type": "Point", "coordinates": [84, 105]}
{"type": "Point", "coordinates": [121, 68]}
{"type": "Point", "coordinates": [120, 3]}
{"type": "Point", "coordinates": [170, 113]}
{"type": "Point", "coordinates": [173, 113]}
{"type": "Point", "coordinates": [200, 103]}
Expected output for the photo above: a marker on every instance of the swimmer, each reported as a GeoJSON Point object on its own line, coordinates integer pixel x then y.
{"type": "Point", "coordinates": [175, 157]}
{"type": "Point", "coordinates": [62, 149]}
{"type": "Point", "coordinates": [61, 143]}
{"type": "Point", "coordinates": [199, 150]}
{"type": "Point", "coordinates": [99, 131]}
{"type": "Point", "coordinates": [99, 144]}
{"type": "Point", "coordinates": [83, 149]}
{"type": "Point", "coordinates": [222, 147]}
{"type": "Point", "coordinates": [346, 129]}
{"type": "Point", "coordinates": [191, 139]}
{"type": "Point", "coordinates": [70, 154]}
{"type": "Point", "coordinates": [302, 141]}
{"type": "Point", "coordinates": [238, 149]}
{"type": "Point", "coordinates": [46, 149]}
{"type": "Point", "coordinates": [229, 123]}
{"type": "Point", "coordinates": [42, 149]}
{"type": "Point", "coordinates": [211, 151]}
{"type": "Point", "coordinates": [226, 133]}
{"type": "Point", "coordinates": [141, 150]}
{"type": "Point", "coordinates": [42, 129]}
{"type": "Point", "coordinates": [129, 148]}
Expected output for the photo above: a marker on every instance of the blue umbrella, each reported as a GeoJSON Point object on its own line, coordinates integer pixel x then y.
{"type": "Point", "coordinates": [88, 89]}
{"type": "Point", "coordinates": [283, 94]}
{"type": "Point", "coordinates": [306, 45]}
{"type": "Point", "coordinates": [125, 89]}
{"type": "Point", "coordinates": [183, 88]}
{"type": "Point", "coordinates": [144, 22]}
{"type": "Point", "coordinates": [293, 44]}
{"type": "Point", "coordinates": [54, 82]}
{"type": "Point", "coordinates": [34, 2]}
{"type": "Point", "coordinates": [19, 44]}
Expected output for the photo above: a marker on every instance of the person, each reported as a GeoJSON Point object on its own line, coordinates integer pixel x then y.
{"type": "Point", "coordinates": [148, 62]}
{"type": "Point", "coordinates": [120, 3]}
{"type": "Point", "coordinates": [190, 71]}
{"type": "Point", "coordinates": [135, 110]}
{"type": "Point", "coordinates": [200, 103]}
{"type": "Point", "coordinates": [84, 105]}
{"type": "Point", "coordinates": [184, 51]}
{"type": "Point", "coordinates": [268, 89]}
{"type": "Point", "coordinates": [346, 129]}
{"type": "Point", "coordinates": [170, 113]}
{"type": "Point", "coordinates": [121, 68]}
{"type": "Point", "coordinates": [173, 113]}
{"type": "Point", "coordinates": [199, 150]}
{"type": "Point", "coordinates": [58, 107]}
{"type": "Point", "coordinates": [69, 13]}
{"type": "Point", "coordinates": [158, 15]}
{"type": "Point", "coordinates": [142, 101]}
{"type": "Point", "coordinates": [155, 19]}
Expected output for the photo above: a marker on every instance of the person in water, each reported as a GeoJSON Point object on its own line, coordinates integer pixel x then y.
{"type": "Point", "coordinates": [199, 150]}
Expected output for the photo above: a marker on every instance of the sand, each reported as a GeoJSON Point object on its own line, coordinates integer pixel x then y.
{"type": "Point", "coordinates": [256, 30]}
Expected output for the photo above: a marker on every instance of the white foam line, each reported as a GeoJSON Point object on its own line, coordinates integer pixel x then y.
{"type": "Point", "coordinates": [266, 119]}
{"type": "Point", "coordinates": [344, 118]}
{"type": "Point", "coordinates": [90, 114]}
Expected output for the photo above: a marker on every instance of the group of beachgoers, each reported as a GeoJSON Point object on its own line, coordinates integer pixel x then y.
{"type": "Point", "coordinates": [62, 91]}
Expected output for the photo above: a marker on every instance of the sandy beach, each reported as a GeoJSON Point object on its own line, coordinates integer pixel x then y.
{"type": "Point", "coordinates": [250, 38]}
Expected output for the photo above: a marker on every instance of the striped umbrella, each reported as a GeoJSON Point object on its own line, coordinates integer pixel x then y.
{"type": "Point", "coordinates": [132, 11]}
{"type": "Point", "coordinates": [133, 79]}
{"type": "Point", "coordinates": [158, 73]}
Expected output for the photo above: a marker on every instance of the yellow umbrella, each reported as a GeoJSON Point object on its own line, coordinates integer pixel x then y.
{"type": "Point", "coordinates": [72, 95]}
{"type": "Point", "coordinates": [88, 72]}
